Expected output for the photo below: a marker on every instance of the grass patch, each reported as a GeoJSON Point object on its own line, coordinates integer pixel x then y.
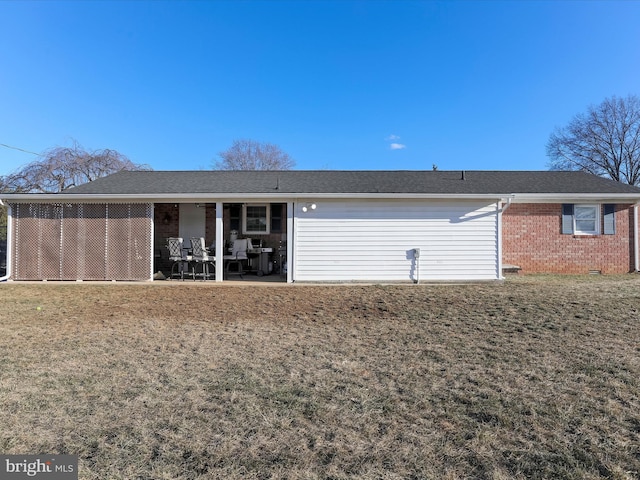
{"type": "Point", "coordinates": [538, 377]}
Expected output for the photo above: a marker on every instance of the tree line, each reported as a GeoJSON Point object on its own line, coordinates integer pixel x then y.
{"type": "Point", "coordinates": [605, 141]}
{"type": "Point", "coordinates": [61, 168]}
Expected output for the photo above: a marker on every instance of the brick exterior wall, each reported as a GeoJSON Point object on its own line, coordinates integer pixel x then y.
{"type": "Point", "coordinates": [532, 239]}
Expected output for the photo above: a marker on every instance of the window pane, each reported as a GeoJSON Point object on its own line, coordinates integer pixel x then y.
{"type": "Point", "coordinates": [585, 225]}
{"type": "Point", "coordinates": [586, 219]}
{"type": "Point", "coordinates": [276, 218]}
{"type": "Point", "coordinates": [585, 213]}
{"type": "Point", "coordinates": [234, 214]}
{"type": "Point", "coordinates": [256, 218]}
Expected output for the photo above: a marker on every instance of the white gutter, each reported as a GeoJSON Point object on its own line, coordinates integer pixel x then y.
{"type": "Point", "coordinates": [575, 197]}
{"type": "Point", "coordinates": [9, 224]}
{"type": "Point", "coordinates": [210, 197]}
{"type": "Point", "coordinates": [205, 197]}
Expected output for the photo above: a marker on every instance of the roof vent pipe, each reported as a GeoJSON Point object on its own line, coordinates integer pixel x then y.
{"type": "Point", "coordinates": [462, 177]}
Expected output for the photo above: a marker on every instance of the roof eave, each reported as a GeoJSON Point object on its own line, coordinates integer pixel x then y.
{"type": "Point", "coordinates": [576, 197]}
{"type": "Point", "coordinates": [274, 197]}
{"type": "Point", "coordinates": [212, 197]}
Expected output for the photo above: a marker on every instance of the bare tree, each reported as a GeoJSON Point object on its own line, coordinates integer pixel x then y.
{"type": "Point", "coordinates": [64, 167]}
{"type": "Point", "coordinates": [605, 141]}
{"type": "Point", "coordinates": [252, 155]}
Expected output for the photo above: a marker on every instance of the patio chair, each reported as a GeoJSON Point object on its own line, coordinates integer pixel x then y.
{"type": "Point", "coordinates": [178, 256]}
{"type": "Point", "coordinates": [200, 256]}
{"type": "Point", "coordinates": [238, 255]}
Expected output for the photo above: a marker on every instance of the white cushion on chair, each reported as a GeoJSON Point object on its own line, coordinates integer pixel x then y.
{"type": "Point", "coordinates": [239, 250]}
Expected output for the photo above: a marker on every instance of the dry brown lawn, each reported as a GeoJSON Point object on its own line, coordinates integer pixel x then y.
{"type": "Point", "coordinates": [536, 377]}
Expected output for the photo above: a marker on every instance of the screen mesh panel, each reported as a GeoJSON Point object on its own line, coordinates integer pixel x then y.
{"type": "Point", "coordinates": [82, 241]}
{"type": "Point", "coordinates": [71, 242]}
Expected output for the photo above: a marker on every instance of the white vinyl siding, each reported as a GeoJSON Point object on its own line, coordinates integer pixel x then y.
{"type": "Point", "coordinates": [373, 241]}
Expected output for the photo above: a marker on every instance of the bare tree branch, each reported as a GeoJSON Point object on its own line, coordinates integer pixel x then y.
{"type": "Point", "coordinates": [61, 168]}
{"type": "Point", "coordinates": [247, 154]}
{"type": "Point", "coordinates": [605, 141]}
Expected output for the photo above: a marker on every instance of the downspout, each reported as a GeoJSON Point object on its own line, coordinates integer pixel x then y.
{"type": "Point", "coordinates": [9, 224]}
{"type": "Point", "coordinates": [500, 212]}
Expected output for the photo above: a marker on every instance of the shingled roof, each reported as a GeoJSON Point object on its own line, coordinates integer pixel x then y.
{"type": "Point", "coordinates": [274, 183]}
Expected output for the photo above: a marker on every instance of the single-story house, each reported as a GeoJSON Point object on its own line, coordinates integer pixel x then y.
{"type": "Point", "coordinates": [334, 226]}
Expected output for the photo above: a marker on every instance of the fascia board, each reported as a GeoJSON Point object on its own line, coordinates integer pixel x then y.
{"type": "Point", "coordinates": [427, 196]}
{"type": "Point", "coordinates": [235, 197]}
{"type": "Point", "coordinates": [211, 197]}
{"type": "Point", "coordinates": [576, 197]}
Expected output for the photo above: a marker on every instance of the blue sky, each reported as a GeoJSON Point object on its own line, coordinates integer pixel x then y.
{"type": "Point", "coordinates": [336, 84]}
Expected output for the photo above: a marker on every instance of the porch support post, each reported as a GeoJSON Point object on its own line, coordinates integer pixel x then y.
{"type": "Point", "coordinates": [636, 241]}
{"type": "Point", "coordinates": [151, 212]}
{"type": "Point", "coordinates": [219, 243]}
{"type": "Point", "coordinates": [499, 211]}
{"type": "Point", "coordinates": [290, 235]}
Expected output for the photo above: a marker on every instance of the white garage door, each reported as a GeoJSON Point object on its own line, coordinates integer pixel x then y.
{"type": "Point", "coordinates": [374, 241]}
